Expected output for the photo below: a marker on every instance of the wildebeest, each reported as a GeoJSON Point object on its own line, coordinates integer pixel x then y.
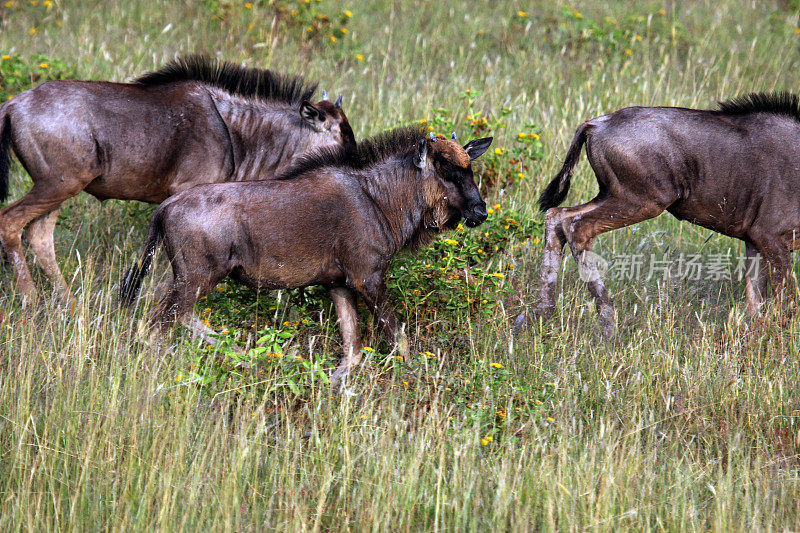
{"type": "Point", "coordinates": [197, 120]}
{"type": "Point", "coordinates": [734, 170]}
{"type": "Point", "coordinates": [336, 219]}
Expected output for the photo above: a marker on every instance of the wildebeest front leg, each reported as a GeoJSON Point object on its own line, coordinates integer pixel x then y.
{"type": "Point", "coordinates": [775, 251]}
{"type": "Point", "coordinates": [757, 277]}
{"type": "Point", "coordinates": [344, 299]}
{"type": "Point", "coordinates": [374, 295]}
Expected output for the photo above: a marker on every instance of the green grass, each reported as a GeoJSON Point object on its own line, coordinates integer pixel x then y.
{"type": "Point", "coordinates": [688, 420]}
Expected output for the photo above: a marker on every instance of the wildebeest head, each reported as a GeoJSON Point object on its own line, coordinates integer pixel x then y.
{"type": "Point", "coordinates": [328, 121]}
{"type": "Point", "coordinates": [450, 190]}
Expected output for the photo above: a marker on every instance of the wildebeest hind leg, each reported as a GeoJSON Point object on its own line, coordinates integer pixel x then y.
{"type": "Point", "coordinates": [181, 296]}
{"type": "Point", "coordinates": [39, 236]}
{"type": "Point", "coordinates": [592, 219]}
{"type": "Point", "coordinates": [13, 219]}
{"type": "Point", "coordinates": [344, 299]}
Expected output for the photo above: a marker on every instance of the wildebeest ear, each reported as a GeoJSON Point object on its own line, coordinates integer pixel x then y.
{"type": "Point", "coordinates": [475, 148]}
{"type": "Point", "coordinates": [314, 116]}
{"type": "Point", "coordinates": [421, 154]}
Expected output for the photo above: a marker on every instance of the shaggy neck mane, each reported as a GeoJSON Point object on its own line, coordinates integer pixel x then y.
{"type": "Point", "coordinates": [778, 103]}
{"type": "Point", "coordinates": [395, 194]}
{"type": "Point", "coordinates": [369, 152]}
{"type": "Point", "coordinates": [247, 82]}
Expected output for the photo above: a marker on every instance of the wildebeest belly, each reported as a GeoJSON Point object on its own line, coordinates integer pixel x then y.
{"type": "Point", "coordinates": [273, 273]}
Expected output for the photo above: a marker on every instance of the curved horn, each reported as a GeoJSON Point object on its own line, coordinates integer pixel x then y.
{"type": "Point", "coordinates": [433, 137]}
{"type": "Point", "coordinates": [338, 101]}
{"type": "Point", "coordinates": [324, 95]}
{"type": "Point", "coordinates": [454, 136]}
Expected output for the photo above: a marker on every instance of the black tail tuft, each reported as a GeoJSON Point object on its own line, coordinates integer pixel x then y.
{"type": "Point", "coordinates": [5, 152]}
{"type": "Point", "coordinates": [131, 283]}
{"type": "Point", "coordinates": [556, 191]}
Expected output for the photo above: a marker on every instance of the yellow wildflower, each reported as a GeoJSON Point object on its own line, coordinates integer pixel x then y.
{"type": "Point", "coordinates": [359, 57]}
{"type": "Point", "coordinates": [451, 242]}
{"type": "Point", "coordinates": [522, 14]}
{"type": "Point", "coordinates": [31, 31]}
{"type": "Point", "coordinates": [248, 5]}
{"type": "Point", "coordinates": [496, 206]}
{"type": "Point", "coordinates": [6, 56]}
{"type": "Point", "coordinates": [333, 39]}
{"type": "Point", "coordinates": [522, 135]}
{"type": "Point", "coordinates": [534, 136]}
{"type": "Point", "coordinates": [662, 11]}
{"type": "Point", "coordinates": [550, 419]}
{"type": "Point", "coordinates": [490, 210]}
{"type": "Point", "coordinates": [34, 2]}
{"type": "Point", "coordinates": [44, 65]}
{"type": "Point", "coordinates": [496, 365]}
{"type": "Point", "coordinates": [459, 228]}
{"type": "Point", "coordinates": [498, 275]}
{"type": "Point", "coordinates": [47, 3]}
{"type": "Point", "coordinates": [578, 15]}
{"type": "Point", "coordinates": [9, 3]}
{"type": "Point", "coordinates": [343, 30]}
{"type": "Point", "coordinates": [348, 13]}
{"type": "Point", "coordinates": [368, 349]}
{"type": "Point", "coordinates": [520, 175]}
{"type": "Point", "coordinates": [498, 151]}
{"type": "Point", "coordinates": [637, 37]}
{"type": "Point", "coordinates": [629, 51]}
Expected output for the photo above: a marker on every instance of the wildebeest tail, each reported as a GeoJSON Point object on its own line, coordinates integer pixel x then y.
{"type": "Point", "coordinates": [557, 189]}
{"type": "Point", "coordinates": [5, 150]}
{"type": "Point", "coordinates": [129, 288]}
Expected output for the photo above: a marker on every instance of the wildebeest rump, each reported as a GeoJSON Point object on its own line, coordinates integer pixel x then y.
{"type": "Point", "coordinates": [335, 219]}
{"type": "Point", "coordinates": [196, 120]}
{"type": "Point", "coordinates": [735, 170]}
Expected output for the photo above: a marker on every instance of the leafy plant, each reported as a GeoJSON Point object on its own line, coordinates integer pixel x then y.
{"type": "Point", "coordinates": [18, 74]}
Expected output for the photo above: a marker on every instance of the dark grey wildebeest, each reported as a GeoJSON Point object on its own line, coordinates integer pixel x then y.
{"type": "Point", "coordinates": [734, 170]}
{"type": "Point", "coordinates": [196, 120]}
{"type": "Point", "coordinates": [335, 219]}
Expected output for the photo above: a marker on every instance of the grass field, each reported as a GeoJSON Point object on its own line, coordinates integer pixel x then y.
{"type": "Point", "coordinates": [689, 419]}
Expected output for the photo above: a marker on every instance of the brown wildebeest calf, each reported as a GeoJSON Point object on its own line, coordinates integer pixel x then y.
{"type": "Point", "coordinates": [335, 219]}
{"type": "Point", "coordinates": [196, 120]}
{"type": "Point", "coordinates": [735, 170]}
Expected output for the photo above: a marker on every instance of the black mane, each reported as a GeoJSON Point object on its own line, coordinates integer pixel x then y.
{"type": "Point", "coordinates": [368, 152]}
{"type": "Point", "coordinates": [785, 103]}
{"type": "Point", "coordinates": [248, 82]}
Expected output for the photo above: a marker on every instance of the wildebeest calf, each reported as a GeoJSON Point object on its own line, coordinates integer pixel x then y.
{"type": "Point", "coordinates": [335, 219]}
{"type": "Point", "coordinates": [735, 170]}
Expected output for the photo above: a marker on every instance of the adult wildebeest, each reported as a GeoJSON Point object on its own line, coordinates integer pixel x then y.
{"type": "Point", "coordinates": [735, 170]}
{"type": "Point", "coordinates": [336, 219]}
{"type": "Point", "coordinates": [196, 120]}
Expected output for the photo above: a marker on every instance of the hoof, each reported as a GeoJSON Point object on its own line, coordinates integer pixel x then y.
{"type": "Point", "coordinates": [520, 323]}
